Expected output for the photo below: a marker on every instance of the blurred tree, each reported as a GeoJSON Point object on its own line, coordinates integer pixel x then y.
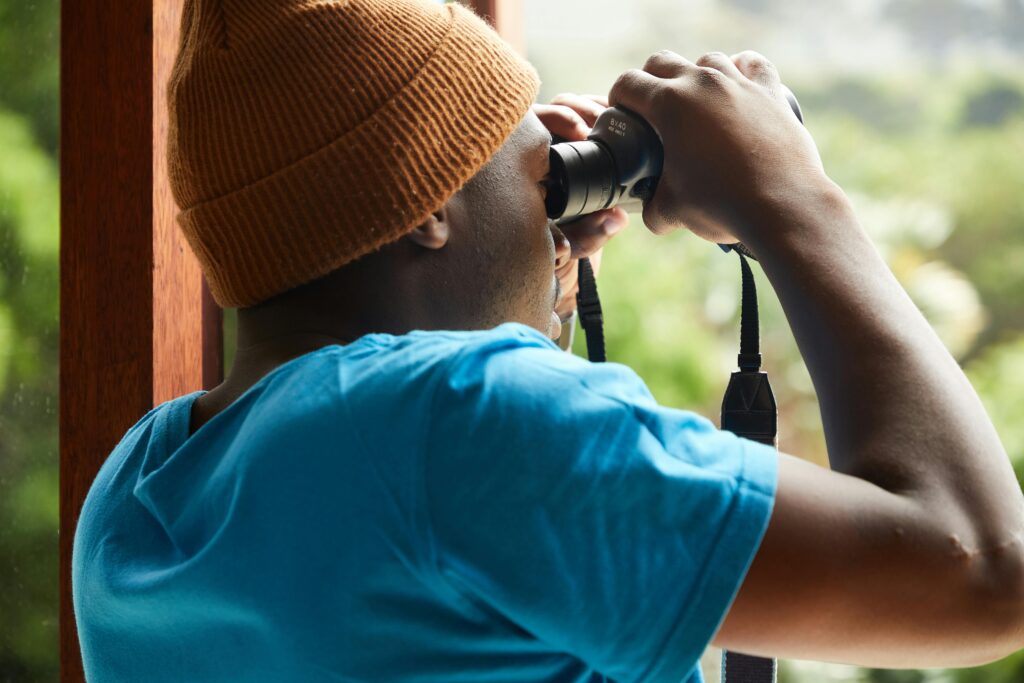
{"type": "Point", "coordinates": [894, 676]}
{"type": "Point", "coordinates": [993, 105]}
{"type": "Point", "coordinates": [29, 62]}
{"type": "Point", "coordinates": [935, 26]}
{"type": "Point", "coordinates": [874, 102]}
{"type": "Point", "coordinates": [28, 405]}
{"type": "Point", "coordinates": [29, 208]}
{"type": "Point", "coordinates": [1009, 670]}
{"type": "Point", "coordinates": [998, 375]}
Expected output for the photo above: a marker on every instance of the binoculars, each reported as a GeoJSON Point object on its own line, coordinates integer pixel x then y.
{"type": "Point", "coordinates": [617, 165]}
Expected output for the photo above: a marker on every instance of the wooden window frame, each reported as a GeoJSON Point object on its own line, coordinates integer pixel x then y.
{"type": "Point", "coordinates": [137, 325]}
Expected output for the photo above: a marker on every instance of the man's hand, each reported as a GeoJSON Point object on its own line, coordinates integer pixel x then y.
{"type": "Point", "coordinates": [922, 500]}
{"type": "Point", "coordinates": [571, 117]}
{"type": "Point", "coordinates": [733, 148]}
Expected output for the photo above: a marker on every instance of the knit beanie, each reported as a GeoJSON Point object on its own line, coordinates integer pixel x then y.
{"type": "Point", "coordinates": [304, 134]}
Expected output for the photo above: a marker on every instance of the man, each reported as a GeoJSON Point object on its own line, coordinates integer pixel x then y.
{"type": "Point", "coordinates": [404, 478]}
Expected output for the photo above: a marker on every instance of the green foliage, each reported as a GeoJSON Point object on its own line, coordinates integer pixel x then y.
{"type": "Point", "coordinates": [992, 105]}
{"type": "Point", "coordinates": [883, 106]}
{"type": "Point", "coordinates": [28, 405]}
{"type": "Point", "coordinates": [894, 676]}
{"type": "Point", "coordinates": [931, 159]}
{"type": "Point", "coordinates": [1009, 670]}
{"type": "Point", "coordinates": [29, 212]}
{"type": "Point", "coordinates": [29, 181]}
{"type": "Point", "coordinates": [998, 376]}
{"type": "Point", "coordinates": [29, 60]}
{"type": "Point", "coordinates": [655, 312]}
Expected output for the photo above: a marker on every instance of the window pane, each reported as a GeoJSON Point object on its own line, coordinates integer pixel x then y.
{"type": "Point", "coordinates": [29, 234]}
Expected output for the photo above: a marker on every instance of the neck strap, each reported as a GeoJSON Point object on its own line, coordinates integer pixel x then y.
{"type": "Point", "coordinates": [748, 408]}
{"type": "Point", "coordinates": [588, 307]}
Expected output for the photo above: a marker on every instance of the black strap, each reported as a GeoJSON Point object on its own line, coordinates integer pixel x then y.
{"type": "Point", "coordinates": [741, 668]}
{"type": "Point", "coordinates": [588, 307]}
{"type": "Point", "coordinates": [750, 355]}
{"type": "Point", "coordinates": [748, 408]}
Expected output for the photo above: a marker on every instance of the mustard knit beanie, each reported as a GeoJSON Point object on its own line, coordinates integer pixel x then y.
{"type": "Point", "coordinates": [307, 133]}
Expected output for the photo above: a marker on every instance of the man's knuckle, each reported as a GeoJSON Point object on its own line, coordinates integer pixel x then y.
{"type": "Point", "coordinates": [710, 78]}
{"type": "Point", "coordinates": [627, 79]}
{"type": "Point", "coordinates": [632, 82]}
{"type": "Point", "coordinates": [662, 58]}
{"type": "Point", "coordinates": [653, 61]}
{"type": "Point", "coordinates": [712, 57]}
{"type": "Point", "coordinates": [756, 62]}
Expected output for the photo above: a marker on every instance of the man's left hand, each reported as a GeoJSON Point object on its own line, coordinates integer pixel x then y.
{"type": "Point", "coordinates": [571, 117]}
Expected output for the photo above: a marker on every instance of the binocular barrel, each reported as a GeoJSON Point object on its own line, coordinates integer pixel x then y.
{"type": "Point", "coordinates": [617, 165]}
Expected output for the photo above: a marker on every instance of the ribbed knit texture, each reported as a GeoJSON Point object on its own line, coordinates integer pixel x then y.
{"type": "Point", "coordinates": [307, 133]}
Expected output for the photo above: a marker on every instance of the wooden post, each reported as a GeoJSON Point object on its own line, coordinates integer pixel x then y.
{"type": "Point", "coordinates": [137, 325]}
{"type": "Point", "coordinates": [187, 322]}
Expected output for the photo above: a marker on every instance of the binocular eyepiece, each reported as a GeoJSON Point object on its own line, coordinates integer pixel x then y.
{"type": "Point", "coordinates": [617, 165]}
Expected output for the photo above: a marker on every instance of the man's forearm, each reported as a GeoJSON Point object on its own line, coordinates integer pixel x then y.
{"type": "Point", "coordinates": [896, 408]}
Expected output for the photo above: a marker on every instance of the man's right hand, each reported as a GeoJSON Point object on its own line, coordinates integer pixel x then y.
{"type": "Point", "coordinates": [909, 551]}
{"type": "Point", "coordinates": [733, 148]}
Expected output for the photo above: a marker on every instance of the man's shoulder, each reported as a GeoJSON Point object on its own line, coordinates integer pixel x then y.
{"type": "Point", "coordinates": [513, 365]}
{"type": "Point", "coordinates": [510, 354]}
{"type": "Point", "coordinates": [509, 335]}
{"type": "Point", "coordinates": [446, 352]}
{"type": "Point", "coordinates": [478, 373]}
{"type": "Point", "coordinates": [381, 378]}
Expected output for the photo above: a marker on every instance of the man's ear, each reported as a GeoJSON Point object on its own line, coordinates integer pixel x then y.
{"type": "Point", "coordinates": [432, 233]}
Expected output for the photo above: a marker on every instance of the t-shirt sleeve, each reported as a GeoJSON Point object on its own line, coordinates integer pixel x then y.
{"type": "Point", "coordinates": [612, 528]}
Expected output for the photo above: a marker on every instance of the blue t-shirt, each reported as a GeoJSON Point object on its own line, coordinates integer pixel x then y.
{"type": "Point", "coordinates": [433, 507]}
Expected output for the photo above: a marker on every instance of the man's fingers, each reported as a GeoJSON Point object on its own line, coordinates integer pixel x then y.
{"type": "Point", "coordinates": [757, 68]}
{"type": "Point", "coordinates": [562, 121]}
{"type": "Point", "coordinates": [667, 64]}
{"type": "Point", "coordinates": [582, 105]}
{"type": "Point", "coordinates": [591, 232]}
{"type": "Point", "coordinates": [600, 99]}
{"type": "Point", "coordinates": [722, 62]}
{"type": "Point", "coordinates": [634, 89]}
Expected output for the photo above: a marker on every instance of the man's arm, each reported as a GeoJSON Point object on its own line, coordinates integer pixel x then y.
{"type": "Point", "coordinates": [908, 552]}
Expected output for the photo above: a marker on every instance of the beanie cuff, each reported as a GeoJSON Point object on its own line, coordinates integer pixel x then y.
{"type": "Point", "coordinates": [376, 182]}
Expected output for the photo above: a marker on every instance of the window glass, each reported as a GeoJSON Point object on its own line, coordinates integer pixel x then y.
{"type": "Point", "coordinates": [29, 234]}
